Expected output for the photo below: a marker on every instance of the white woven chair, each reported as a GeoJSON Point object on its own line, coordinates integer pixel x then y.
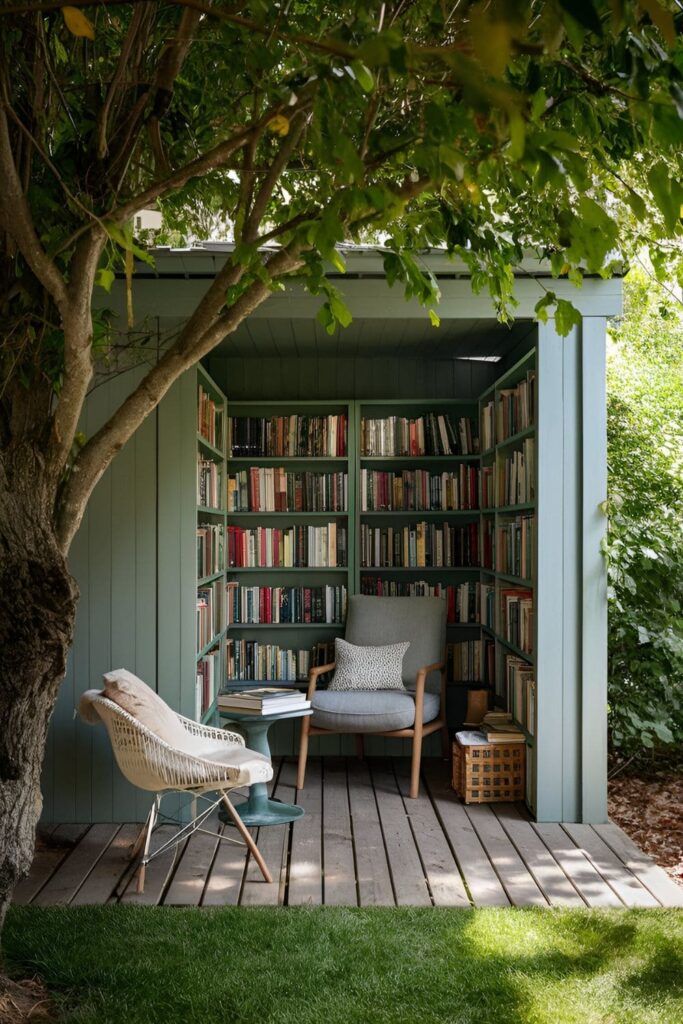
{"type": "Point", "coordinates": [215, 761]}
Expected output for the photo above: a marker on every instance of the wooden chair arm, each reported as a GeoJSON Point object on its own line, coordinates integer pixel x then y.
{"type": "Point", "coordinates": [313, 675]}
{"type": "Point", "coordinates": [420, 681]}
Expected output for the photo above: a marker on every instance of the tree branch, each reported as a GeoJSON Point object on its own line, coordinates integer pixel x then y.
{"type": "Point", "coordinates": [201, 334]}
{"type": "Point", "coordinates": [78, 366]}
{"type": "Point", "coordinates": [258, 208]}
{"type": "Point", "coordinates": [17, 221]}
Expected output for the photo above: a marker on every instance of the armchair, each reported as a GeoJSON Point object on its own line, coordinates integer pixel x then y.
{"type": "Point", "coordinates": [414, 713]}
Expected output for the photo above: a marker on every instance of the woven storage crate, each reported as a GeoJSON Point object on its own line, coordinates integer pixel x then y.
{"type": "Point", "coordinates": [487, 772]}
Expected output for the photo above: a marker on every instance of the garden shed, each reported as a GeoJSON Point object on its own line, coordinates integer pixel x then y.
{"type": "Point", "coordinates": [135, 557]}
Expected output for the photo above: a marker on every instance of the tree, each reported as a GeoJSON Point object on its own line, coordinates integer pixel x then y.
{"type": "Point", "coordinates": [645, 541]}
{"type": "Point", "coordinates": [488, 127]}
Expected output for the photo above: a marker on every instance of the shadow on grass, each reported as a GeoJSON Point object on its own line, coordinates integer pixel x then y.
{"type": "Point", "coordinates": [108, 965]}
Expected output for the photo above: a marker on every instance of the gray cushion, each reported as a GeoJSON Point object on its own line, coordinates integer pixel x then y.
{"type": "Point", "coordinates": [370, 711]}
{"type": "Point", "coordinates": [367, 668]}
{"type": "Point", "coordinates": [391, 620]}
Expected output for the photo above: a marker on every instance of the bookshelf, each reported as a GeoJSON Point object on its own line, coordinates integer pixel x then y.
{"type": "Point", "coordinates": [290, 565]}
{"type": "Point", "coordinates": [210, 520]}
{"type": "Point", "coordinates": [508, 416]}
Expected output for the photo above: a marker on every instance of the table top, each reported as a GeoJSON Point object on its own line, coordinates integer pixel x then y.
{"type": "Point", "coordinates": [241, 716]}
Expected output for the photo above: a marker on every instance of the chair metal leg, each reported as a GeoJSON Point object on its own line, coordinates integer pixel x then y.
{"type": "Point", "coordinates": [242, 829]}
{"type": "Point", "coordinates": [303, 754]}
{"type": "Point", "coordinates": [151, 821]}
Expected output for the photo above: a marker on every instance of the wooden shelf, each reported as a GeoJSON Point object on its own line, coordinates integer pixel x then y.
{"type": "Point", "coordinates": [374, 569]}
{"type": "Point", "coordinates": [214, 642]}
{"type": "Point", "coordinates": [528, 506]}
{"type": "Point", "coordinates": [406, 460]}
{"type": "Point", "coordinates": [471, 513]}
{"type": "Point", "coordinates": [201, 440]}
{"type": "Point", "coordinates": [209, 713]}
{"type": "Point", "coordinates": [507, 578]}
{"type": "Point", "coordinates": [514, 439]}
{"type": "Point", "coordinates": [288, 515]}
{"type": "Point", "coordinates": [234, 570]}
{"type": "Point", "coordinates": [210, 579]}
{"type": "Point", "coordinates": [205, 510]}
{"type": "Point", "coordinates": [284, 625]}
{"type": "Point", "coordinates": [274, 460]}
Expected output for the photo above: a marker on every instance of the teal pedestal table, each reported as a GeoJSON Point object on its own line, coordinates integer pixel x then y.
{"type": "Point", "coordinates": [259, 809]}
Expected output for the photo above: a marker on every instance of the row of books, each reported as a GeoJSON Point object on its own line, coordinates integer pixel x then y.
{"type": "Point", "coordinates": [521, 691]}
{"type": "Point", "coordinates": [419, 545]}
{"type": "Point", "coordinates": [429, 434]}
{"type": "Point", "coordinates": [264, 700]}
{"type": "Point", "coordinates": [209, 483]}
{"type": "Point", "coordinates": [515, 478]}
{"type": "Point", "coordinates": [517, 618]}
{"type": "Point", "coordinates": [209, 419]}
{"type": "Point", "coordinates": [275, 489]}
{"type": "Point", "coordinates": [249, 659]}
{"type": "Point", "coordinates": [285, 604]}
{"type": "Point", "coordinates": [462, 599]}
{"type": "Point", "coordinates": [288, 546]}
{"type": "Point", "coordinates": [210, 549]}
{"type": "Point", "coordinates": [488, 533]}
{"type": "Point", "coordinates": [515, 407]}
{"type": "Point", "coordinates": [210, 612]}
{"type": "Point", "coordinates": [510, 413]}
{"type": "Point", "coordinates": [470, 661]}
{"type": "Point", "coordinates": [208, 676]}
{"type": "Point", "coordinates": [294, 435]}
{"type": "Point", "coordinates": [417, 490]}
{"type": "Point", "coordinates": [487, 605]}
{"type": "Point", "coordinates": [514, 547]}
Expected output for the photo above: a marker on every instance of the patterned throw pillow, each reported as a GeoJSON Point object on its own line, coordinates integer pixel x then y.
{"type": "Point", "coordinates": [368, 668]}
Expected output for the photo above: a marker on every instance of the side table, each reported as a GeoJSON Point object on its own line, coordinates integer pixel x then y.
{"type": "Point", "coordinates": [259, 809]}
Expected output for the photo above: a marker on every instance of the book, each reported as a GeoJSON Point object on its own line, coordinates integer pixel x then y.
{"type": "Point", "coordinates": [463, 600]}
{"type": "Point", "coordinates": [250, 660]}
{"type": "Point", "coordinates": [283, 605]}
{"type": "Point", "coordinates": [499, 727]}
{"type": "Point", "coordinates": [288, 546]}
{"type": "Point", "coordinates": [288, 436]}
{"type": "Point", "coordinates": [416, 490]}
{"type": "Point", "coordinates": [419, 545]}
{"type": "Point", "coordinates": [430, 434]}
{"type": "Point", "coordinates": [275, 489]}
{"type": "Point", "coordinates": [515, 407]}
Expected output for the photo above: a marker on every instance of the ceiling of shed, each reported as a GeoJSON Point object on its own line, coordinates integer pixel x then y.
{"type": "Point", "coordinates": [306, 337]}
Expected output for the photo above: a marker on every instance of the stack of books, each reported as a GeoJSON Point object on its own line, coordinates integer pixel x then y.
{"type": "Point", "coordinates": [265, 700]}
{"type": "Point", "coordinates": [431, 434]}
{"type": "Point", "coordinates": [499, 727]}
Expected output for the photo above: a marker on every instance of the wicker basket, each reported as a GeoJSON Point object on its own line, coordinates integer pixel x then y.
{"type": "Point", "coordinates": [489, 772]}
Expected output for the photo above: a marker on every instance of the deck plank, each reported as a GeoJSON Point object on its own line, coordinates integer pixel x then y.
{"type": "Point", "coordinates": [650, 874]}
{"type": "Point", "coordinates": [59, 841]}
{"type": "Point", "coordinates": [372, 868]}
{"type": "Point", "coordinates": [102, 881]}
{"type": "Point", "coordinates": [189, 878]}
{"type": "Point", "coordinates": [584, 876]}
{"type": "Point", "coordinates": [480, 878]}
{"type": "Point", "coordinates": [410, 884]}
{"type": "Point", "coordinates": [305, 868]}
{"type": "Point", "coordinates": [224, 883]}
{"type": "Point", "coordinates": [72, 872]}
{"type": "Point", "coordinates": [443, 876]}
{"type": "Point", "coordinates": [627, 887]}
{"type": "Point", "coordinates": [517, 880]}
{"type": "Point", "coordinates": [339, 875]}
{"type": "Point", "coordinates": [546, 872]}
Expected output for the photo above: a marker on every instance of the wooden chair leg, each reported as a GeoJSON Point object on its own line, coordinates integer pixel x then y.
{"type": "Point", "coordinates": [415, 764]}
{"type": "Point", "coordinates": [151, 821]}
{"type": "Point", "coordinates": [360, 746]}
{"type": "Point", "coordinates": [303, 753]}
{"type": "Point", "coordinates": [445, 742]}
{"type": "Point", "coordinates": [244, 832]}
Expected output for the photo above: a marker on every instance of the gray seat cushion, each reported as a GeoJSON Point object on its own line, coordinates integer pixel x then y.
{"type": "Point", "coordinates": [370, 711]}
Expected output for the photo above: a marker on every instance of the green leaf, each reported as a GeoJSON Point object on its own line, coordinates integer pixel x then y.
{"type": "Point", "coordinates": [435, 318]}
{"type": "Point", "coordinates": [363, 75]}
{"type": "Point", "coordinates": [566, 317]}
{"type": "Point", "coordinates": [105, 278]}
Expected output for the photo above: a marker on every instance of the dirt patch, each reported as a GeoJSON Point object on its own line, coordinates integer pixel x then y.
{"type": "Point", "coordinates": [646, 800]}
{"type": "Point", "coordinates": [25, 1001]}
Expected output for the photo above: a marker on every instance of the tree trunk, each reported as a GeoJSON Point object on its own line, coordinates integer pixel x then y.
{"type": "Point", "coordinates": [37, 610]}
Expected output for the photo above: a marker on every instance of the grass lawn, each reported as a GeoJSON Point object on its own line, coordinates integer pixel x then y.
{"type": "Point", "coordinates": [110, 965]}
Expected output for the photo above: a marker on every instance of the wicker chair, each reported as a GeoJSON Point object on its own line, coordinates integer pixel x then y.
{"type": "Point", "coordinates": [215, 761]}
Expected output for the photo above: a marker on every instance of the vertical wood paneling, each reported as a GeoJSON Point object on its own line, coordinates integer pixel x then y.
{"type": "Point", "coordinates": [571, 543]}
{"type": "Point", "coordinates": [594, 574]}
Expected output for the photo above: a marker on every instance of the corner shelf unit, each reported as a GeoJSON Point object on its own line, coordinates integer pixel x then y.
{"type": "Point", "coordinates": [208, 515]}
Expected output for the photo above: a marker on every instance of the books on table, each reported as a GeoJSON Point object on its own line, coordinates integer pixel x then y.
{"type": "Point", "coordinates": [264, 700]}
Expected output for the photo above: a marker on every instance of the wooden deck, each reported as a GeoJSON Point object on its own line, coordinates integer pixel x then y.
{"type": "Point", "coordinates": [363, 843]}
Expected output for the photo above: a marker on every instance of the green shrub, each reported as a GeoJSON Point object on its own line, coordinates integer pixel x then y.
{"type": "Point", "coordinates": [645, 541]}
